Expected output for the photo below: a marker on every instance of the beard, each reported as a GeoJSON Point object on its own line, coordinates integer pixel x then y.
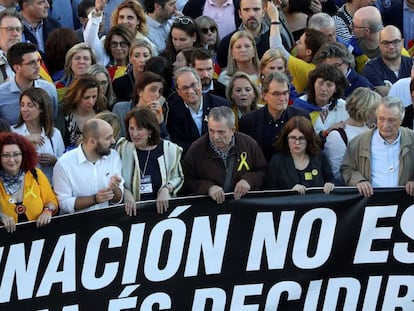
{"type": "Point", "coordinates": [102, 151]}
{"type": "Point", "coordinates": [252, 24]}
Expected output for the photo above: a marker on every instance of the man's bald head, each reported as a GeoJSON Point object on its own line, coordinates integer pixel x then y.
{"type": "Point", "coordinates": [368, 16]}
{"type": "Point", "coordinates": [93, 128]}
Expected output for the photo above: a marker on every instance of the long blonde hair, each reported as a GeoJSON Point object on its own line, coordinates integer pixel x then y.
{"type": "Point", "coordinates": [231, 62]}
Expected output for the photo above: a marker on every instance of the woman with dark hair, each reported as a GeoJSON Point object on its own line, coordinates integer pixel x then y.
{"type": "Point", "coordinates": [82, 101]}
{"type": "Point", "coordinates": [25, 192]}
{"type": "Point", "coordinates": [160, 66]}
{"type": "Point", "coordinates": [147, 93]}
{"type": "Point", "coordinates": [243, 95]}
{"type": "Point", "coordinates": [323, 99]}
{"type": "Point", "coordinates": [183, 58]}
{"type": "Point", "coordinates": [297, 13]}
{"type": "Point", "coordinates": [57, 45]}
{"type": "Point", "coordinates": [299, 162]}
{"type": "Point", "coordinates": [184, 33]}
{"type": "Point", "coordinates": [139, 52]}
{"type": "Point", "coordinates": [36, 124]}
{"type": "Point", "coordinates": [150, 166]}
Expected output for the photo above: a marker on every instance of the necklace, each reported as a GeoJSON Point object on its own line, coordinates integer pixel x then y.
{"type": "Point", "coordinates": [145, 165]}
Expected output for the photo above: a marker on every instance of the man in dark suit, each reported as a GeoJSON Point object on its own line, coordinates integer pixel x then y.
{"type": "Point", "coordinates": [37, 24]}
{"type": "Point", "coordinates": [202, 61]}
{"type": "Point", "coordinates": [265, 124]}
{"type": "Point", "coordinates": [186, 120]}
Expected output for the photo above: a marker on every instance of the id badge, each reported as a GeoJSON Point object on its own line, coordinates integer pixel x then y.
{"type": "Point", "coordinates": [146, 184]}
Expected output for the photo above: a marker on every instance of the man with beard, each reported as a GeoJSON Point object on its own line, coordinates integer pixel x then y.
{"type": "Point", "coordinates": [231, 161]}
{"type": "Point", "coordinates": [202, 61]}
{"type": "Point", "coordinates": [390, 66]}
{"type": "Point", "coordinates": [159, 13]}
{"type": "Point", "coordinates": [252, 13]}
{"type": "Point", "coordinates": [89, 177]}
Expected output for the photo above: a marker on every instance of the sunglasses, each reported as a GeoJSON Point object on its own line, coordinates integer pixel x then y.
{"type": "Point", "coordinates": [182, 20]}
{"type": "Point", "coordinates": [212, 29]}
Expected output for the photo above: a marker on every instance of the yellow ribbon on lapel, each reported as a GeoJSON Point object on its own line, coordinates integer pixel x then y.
{"type": "Point", "coordinates": [243, 162]}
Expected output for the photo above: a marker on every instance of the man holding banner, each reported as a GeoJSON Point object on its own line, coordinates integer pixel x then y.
{"type": "Point", "coordinates": [382, 157]}
{"type": "Point", "coordinates": [231, 161]}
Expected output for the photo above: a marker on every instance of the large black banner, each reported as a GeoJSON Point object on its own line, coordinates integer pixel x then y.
{"type": "Point", "coordinates": [267, 251]}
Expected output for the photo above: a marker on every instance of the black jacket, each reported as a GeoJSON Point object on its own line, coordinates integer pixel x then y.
{"type": "Point", "coordinates": [49, 24]}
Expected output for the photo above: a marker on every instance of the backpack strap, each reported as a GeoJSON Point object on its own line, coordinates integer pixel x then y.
{"type": "Point", "coordinates": [342, 132]}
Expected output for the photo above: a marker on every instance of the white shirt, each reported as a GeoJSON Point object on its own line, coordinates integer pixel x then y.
{"type": "Point", "coordinates": [74, 176]}
{"type": "Point", "coordinates": [401, 89]}
{"type": "Point", "coordinates": [384, 161]}
{"type": "Point", "coordinates": [53, 145]}
{"type": "Point", "coordinates": [158, 33]}
{"type": "Point", "coordinates": [197, 115]}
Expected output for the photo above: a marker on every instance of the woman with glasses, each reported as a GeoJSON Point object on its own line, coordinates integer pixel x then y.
{"type": "Point", "coordinates": [147, 93]}
{"type": "Point", "coordinates": [361, 107]}
{"type": "Point", "coordinates": [323, 99]}
{"type": "Point", "coordinates": [129, 14]}
{"type": "Point", "coordinates": [78, 60]}
{"type": "Point", "coordinates": [210, 38]}
{"type": "Point", "coordinates": [25, 192]}
{"type": "Point", "coordinates": [36, 124]}
{"type": "Point", "coordinates": [139, 52]}
{"type": "Point", "coordinates": [242, 56]}
{"type": "Point", "coordinates": [104, 80]}
{"type": "Point", "coordinates": [82, 101]}
{"type": "Point", "coordinates": [150, 165]}
{"type": "Point", "coordinates": [243, 95]}
{"type": "Point", "coordinates": [184, 33]}
{"type": "Point", "coordinates": [299, 163]}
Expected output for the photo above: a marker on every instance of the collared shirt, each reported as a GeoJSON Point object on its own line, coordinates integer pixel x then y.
{"type": "Point", "coordinates": [197, 115]}
{"type": "Point", "coordinates": [69, 180]}
{"type": "Point", "coordinates": [384, 161]}
{"type": "Point", "coordinates": [37, 33]}
{"type": "Point", "coordinates": [9, 72]}
{"type": "Point", "coordinates": [209, 88]}
{"type": "Point", "coordinates": [10, 95]}
{"type": "Point", "coordinates": [223, 155]}
{"type": "Point", "coordinates": [408, 24]}
{"type": "Point", "coordinates": [223, 15]}
{"type": "Point", "coordinates": [158, 33]}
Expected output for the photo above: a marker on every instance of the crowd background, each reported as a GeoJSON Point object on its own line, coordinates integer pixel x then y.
{"type": "Point", "coordinates": [301, 79]}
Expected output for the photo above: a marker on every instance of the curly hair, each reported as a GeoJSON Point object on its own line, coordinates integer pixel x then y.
{"type": "Point", "coordinates": [146, 119]}
{"type": "Point", "coordinates": [43, 102]}
{"type": "Point", "coordinates": [136, 7]}
{"type": "Point", "coordinates": [303, 125]}
{"type": "Point", "coordinates": [326, 72]}
{"type": "Point", "coordinates": [362, 103]}
{"type": "Point", "coordinates": [76, 90]}
{"type": "Point", "coordinates": [29, 154]}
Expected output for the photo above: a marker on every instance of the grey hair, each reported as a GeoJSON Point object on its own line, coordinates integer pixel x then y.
{"type": "Point", "coordinates": [274, 76]}
{"type": "Point", "coordinates": [223, 112]}
{"type": "Point", "coordinates": [321, 20]}
{"type": "Point", "coordinates": [391, 102]}
{"type": "Point", "coordinates": [183, 70]}
{"type": "Point", "coordinates": [333, 49]}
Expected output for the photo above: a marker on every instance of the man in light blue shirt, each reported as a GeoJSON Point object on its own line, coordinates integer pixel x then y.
{"type": "Point", "coordinates": [25, 62]}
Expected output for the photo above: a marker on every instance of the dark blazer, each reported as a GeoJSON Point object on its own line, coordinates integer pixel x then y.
{"type": "Point", "coordinates": [180, 125]}
{"type": "Point", "coordinates": [49, 24]}
{"type": "Point", "coordinates": [194, 9]}
{"type": "Point", "coordinates": [408, 117]}
{"type": "Point", "coordinates": [394, 15]}
{"type": "Point", "coordinates": [123, 87]}
{"type": "Point", "coordinates": [253, 122]}
{"type": "Point", "coordinates": [218, 89]}
{"type": "Point", "coordinates": [356, 80]}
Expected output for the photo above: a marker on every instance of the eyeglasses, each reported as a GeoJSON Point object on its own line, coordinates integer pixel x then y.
{"type": "Point", "coordinates": [352, 26]}
{"type": "Point", "coordinates": [182, 20]}
{"type": "Point", "coordinates": [212, 29]}
{"type": "Point", "coordinates": [395, 42]}
{"type": "Point", "coordinates": [293, 139]}
{"type": "Point", "coordinates": [278, 94]}
{"type": "Point", "coordinates": [11, 29]}
{"type": "Point", "coordinates": [186, 88]}
{"type": "Point", "coordinates": [9, 156]}
{"type": "Point", "coordinates": [103, 83]}
{"type": "Point", "coordinates": [122, 44]}
{"type": "Point", "coordinates": [34, 63]}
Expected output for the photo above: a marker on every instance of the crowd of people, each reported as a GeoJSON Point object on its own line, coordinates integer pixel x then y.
{"type": "Point", "coordinates": [133, 100]}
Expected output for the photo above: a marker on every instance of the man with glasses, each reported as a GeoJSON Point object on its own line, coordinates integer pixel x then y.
{"type": "Point", "coordinates": [265, 124]}
{"type": "Point", "coordinates": [392, 163]}
{"type": "Point", "coordinates": [159, 20]}
{"type": "Point", "coordinates": [390, 66]}
{"type": "Point", "coordinates": [337, 54]}
{"type": "Point", "coordinates": [37, 24]}
{"type": "Point", "coordinates": [231, 161]}
{"type": "Point", "coordinates": [10, 33]}
{"type": "Point", "coordinates": [187, 116]}
{"type": "Point", "coordinates": [25, 61]}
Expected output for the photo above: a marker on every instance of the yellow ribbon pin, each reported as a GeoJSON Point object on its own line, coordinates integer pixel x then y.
{"type": "Point", "coordinates": [30, 192]}
{"type": "Point", "coordinates": [243, 162]}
